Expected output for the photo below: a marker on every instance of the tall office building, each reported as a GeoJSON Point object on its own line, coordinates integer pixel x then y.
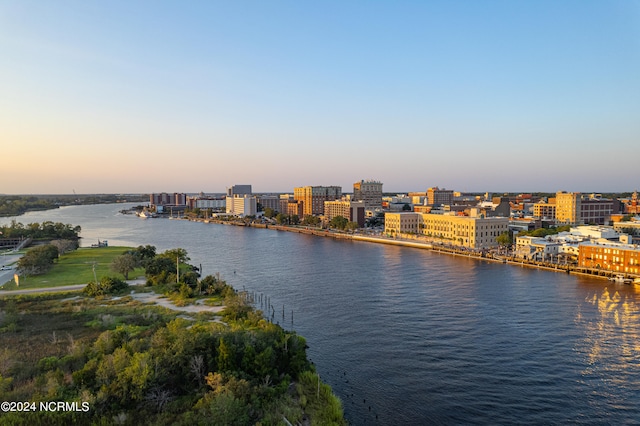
{"type": "Point", "coordinates": [568, 207]}
{"type": "Point", "coordinates": [370, 192]}
{"type": "Point", "coordinates": [313, 197]}
{"type": "Point", "coordinates": [239, 190]}
{"type": "Point", "coordinates": [437, 196]}
{"type": "Point", "coordinates": [572, 208]}
{"type": "Point", "coordinates": [242, 205]}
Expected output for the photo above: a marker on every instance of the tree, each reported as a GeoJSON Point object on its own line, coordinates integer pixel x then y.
{"type": "Point", "coordinates": [124, 264]}
{"type": "Point", "coordinates": [38, 260]}
{"type": "Point", "coordinates": [269, 212]}
{"type": "Point", "coordinates": [178, 253]}
{"type": "Point", "coordinates": [505, 239]}
{"type": "Point", "coordinates": [145, 252]}
{"type": "Point", "coordinates": [311, 220]}
{"type": "Point", "coordinates": [352, 226]}
{"type": "Point", "coordinates": [338, 222]}
{"type": "Point", "coordinates": [160, 265]}
{"type": "Point", "coordinates": [64, 246]}
{"type": "Point", "coordinates": [281, 219]}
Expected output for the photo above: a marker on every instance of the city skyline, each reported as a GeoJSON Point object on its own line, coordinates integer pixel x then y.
{"type": "Point", "coordinates": [140, 97]}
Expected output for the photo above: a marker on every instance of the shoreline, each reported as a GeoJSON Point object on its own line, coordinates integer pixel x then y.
{"type": "Point", "coordinates": [438, 248]}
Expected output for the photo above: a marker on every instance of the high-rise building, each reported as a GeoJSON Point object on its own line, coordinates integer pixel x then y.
{"type": "Point", "coordinates": [239, 190]}
{"type": "Point", "coordinates": [568, 207]}
{"type": "Point", "coordinates": [370, 192]}
{"type": "Point", "coordinates": [572, 208]}
{"type": "Point", "coordinates": [242, 205]}
{"type": "Point", "coordinates": [313, 197]}
{"type": "Point", "coordinates": [164, 199]}
{"type": "Point", "coordinates": [437, 196]}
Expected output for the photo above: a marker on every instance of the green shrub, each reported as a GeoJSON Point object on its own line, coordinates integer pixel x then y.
{"type": "Point", "coordinates": [107, 285]}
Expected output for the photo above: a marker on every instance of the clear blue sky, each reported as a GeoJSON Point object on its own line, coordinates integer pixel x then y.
{"type": "Point", "coordinates": [130, 96]}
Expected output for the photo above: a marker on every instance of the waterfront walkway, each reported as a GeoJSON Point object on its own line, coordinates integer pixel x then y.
{"type": "Point", "coordinates": [433, 245]}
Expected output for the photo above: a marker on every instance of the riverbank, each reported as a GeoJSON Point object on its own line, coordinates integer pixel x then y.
{"type": "Point", "coordinates": [436, 247]}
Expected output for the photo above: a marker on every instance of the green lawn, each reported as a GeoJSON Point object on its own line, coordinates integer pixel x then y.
{"type": "Point", "coordinates": [77, 268]}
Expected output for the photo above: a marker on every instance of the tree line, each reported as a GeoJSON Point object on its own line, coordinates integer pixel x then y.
{"type": "Point", "coordinates": [47, 230]}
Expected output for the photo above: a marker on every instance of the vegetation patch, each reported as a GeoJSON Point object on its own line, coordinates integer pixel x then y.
{"type": "Point", "coordinates": [133, 363]}
{"type": "Point", "coordinates": [76, 267]}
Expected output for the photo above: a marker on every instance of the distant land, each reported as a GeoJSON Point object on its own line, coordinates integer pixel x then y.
{"type": "Point", "coordinates": [15, 205]}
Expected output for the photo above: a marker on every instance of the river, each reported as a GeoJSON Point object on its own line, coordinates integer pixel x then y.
{"type": "Point", "coordinates": [408, 336]}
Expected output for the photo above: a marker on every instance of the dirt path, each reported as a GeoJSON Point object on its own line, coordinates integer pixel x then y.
{"type": "Point", "coordinates": [141, 297]}
{"type": "Point", "coordinates": [164, 302]}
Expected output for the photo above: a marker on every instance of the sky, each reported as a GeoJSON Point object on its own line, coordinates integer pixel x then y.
{"type": "Point", "coordinates": [169, 96]}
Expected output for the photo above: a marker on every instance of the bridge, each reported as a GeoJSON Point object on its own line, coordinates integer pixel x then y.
{"type": "Point", "coordinates": [14, 243]}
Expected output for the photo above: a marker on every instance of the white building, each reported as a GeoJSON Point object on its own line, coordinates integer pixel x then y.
{"type": "Point", "coordinates": [537, 248]}
{"type": "Point", "coordinates": [596, 232]}
{"type": "Point", "coordinates": [210, 203]}
{"type": "Point", "coordinates": [242, 205]}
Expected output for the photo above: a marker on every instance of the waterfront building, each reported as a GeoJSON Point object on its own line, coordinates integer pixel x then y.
{"type": "Point", "coordinates": [623, 258]}
{"type": "Point", "coordinates": [396, 224]}
{"type": "Point", "coordinates": [283, 203]}
{"type": "Point", "coordinates": [354, 211]}
{"type": "Point", "coordinates": [463, 231]}
{"type": "Point", "coordinates": [436, 196]}
{"type": "Point", "coordinates": [212, 203]}
{"type": "Point", "coordinates": [537, 248]}
{"type": "Point", "coordinates": [294, 208]}
{"type": "Point", "coordinates": [179, 199]}
{"type": "Point", "coordinates": [369, 191]}
{"type": "Point", "coordinates": [242, 205]}
{"type": "Point", "coordinates": [164, 199]}
{"type": "Point", "coordinates": [313, 197]}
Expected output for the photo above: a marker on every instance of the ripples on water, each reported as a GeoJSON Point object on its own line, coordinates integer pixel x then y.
{"type": "Point", "coordinates": [406, 336]}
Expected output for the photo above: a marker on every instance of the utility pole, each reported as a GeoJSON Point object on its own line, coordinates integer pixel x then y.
{"type": "Point", "coordinates": [177, 269]}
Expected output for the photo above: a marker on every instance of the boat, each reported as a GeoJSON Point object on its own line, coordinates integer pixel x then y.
{"type": "Point", "coordinates": [146, 214]}
{"type": "Point", "coordinates": [621, 279]}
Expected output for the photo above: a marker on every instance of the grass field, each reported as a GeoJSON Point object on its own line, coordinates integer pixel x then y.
{"type": "Point", "coordinates": [76, 268]}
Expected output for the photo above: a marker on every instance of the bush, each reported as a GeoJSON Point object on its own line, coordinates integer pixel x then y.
{"type": "Point", "coordinates": [107, 285]}
{"type": "Point", "coordinates": [38, 260]}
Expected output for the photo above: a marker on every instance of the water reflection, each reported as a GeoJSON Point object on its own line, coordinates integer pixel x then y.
{"type": "Point", "coordinates": [612, 336]}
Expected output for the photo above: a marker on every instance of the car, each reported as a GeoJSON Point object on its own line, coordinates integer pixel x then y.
{"type": "Point", "coordinates": [5, 268]}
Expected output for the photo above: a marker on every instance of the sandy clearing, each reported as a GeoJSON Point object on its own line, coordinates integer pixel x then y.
{"type": "Point", "coordinates": [164, 302]}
